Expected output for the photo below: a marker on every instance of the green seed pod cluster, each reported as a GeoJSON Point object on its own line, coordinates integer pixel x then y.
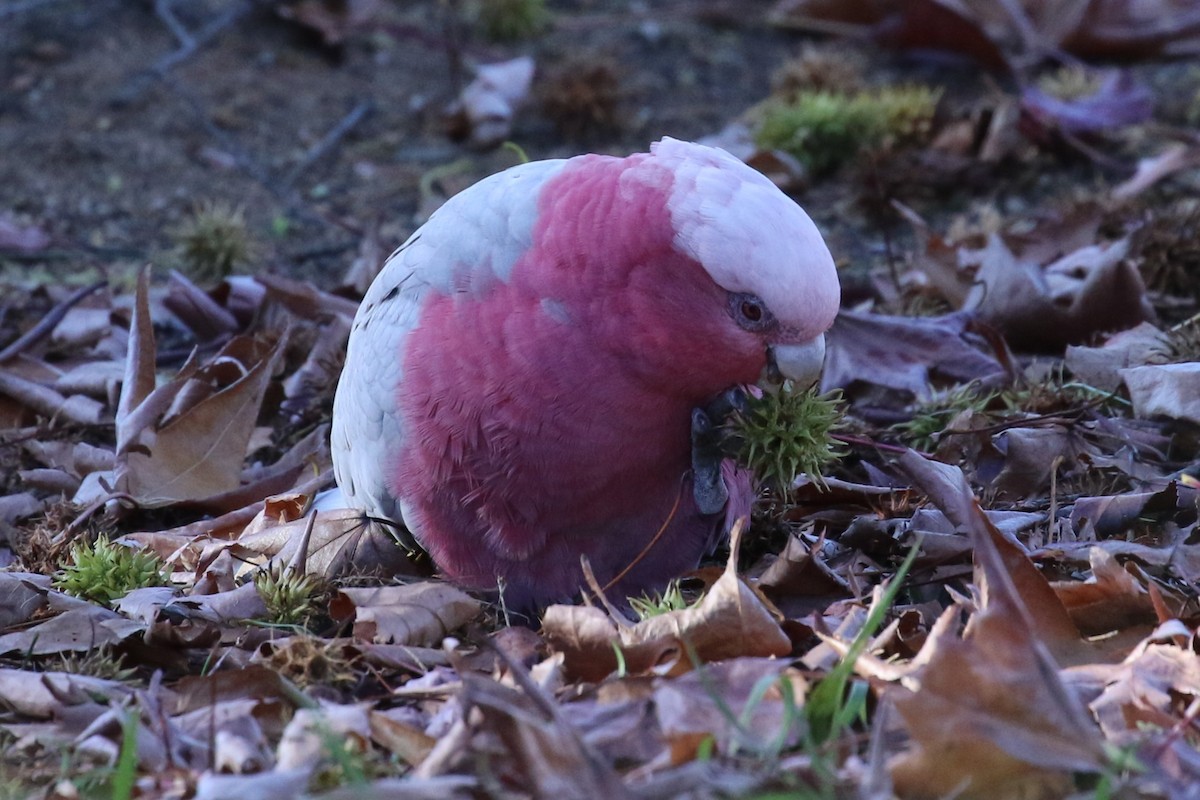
{"type": "Point", "coordinates": [787, 433]}
{"type": "Point", "coordinates": [103, 572]}
{"type": "Point", "coordinates": [213, 241]}
{"type": "Point", "coordinates": [290, 596]}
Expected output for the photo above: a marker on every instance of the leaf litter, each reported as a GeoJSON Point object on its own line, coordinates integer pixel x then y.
{"type": "Point", "coordinates": [992, 594]}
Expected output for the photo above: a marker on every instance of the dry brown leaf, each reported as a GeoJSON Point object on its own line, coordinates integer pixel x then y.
{"type": "Point", "coordinates": [1154, 686]}
{"type": "Point", "coordinates": [1165, 390]}
{"type": "Point", "coordinates": [416, 614]}
{"type": "Point", "coordinates": [902, 352]}
{"type": "Point", "coordinates": [198, 450]}
{"type": "Point", "coordinates": [197, 310]}
{"type": "Point", "coordinates": [1112, 599]}
{"type": "Point", "coordinates": [546, 755]}
{"type": "Point", "coordinates": [1093, 289]}
{"type": "Point", "coordinates": [1101, 366]}
{"type": "Point", "coordinates": [1033, 455]}
{"type": "Point", "coordinates": [139, 378]}
{"type": "Point", "coordinates": [798, 581]}
{"type": "Point", "coordinates": [343, 542]}
{"type": "Point", "coordinates": [988, 713]}
{"type": "Point", "coordinates": [593, 646]}
{"type": "Point", "coordinates": [409, 743]}
{"type": "Point", "coordinates": [80, 629]}
{"type": "Point", "coordinates": [1048, 618]}
{"type": "Point", "coordinates": [732, 620]}
{"type": "Point", "coordinates": [42, 695]}
{"type": "Point", "coordinates": [738, 704]}
{"type": "Point", "coordinates": [22, 595]}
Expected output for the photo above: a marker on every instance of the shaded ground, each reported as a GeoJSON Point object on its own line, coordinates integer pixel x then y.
{"type": "Point", "coordinates": [108, 157]}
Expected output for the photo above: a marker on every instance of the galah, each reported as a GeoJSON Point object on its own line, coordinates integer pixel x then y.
{"type": "Point", "coordinates": [521, 377]}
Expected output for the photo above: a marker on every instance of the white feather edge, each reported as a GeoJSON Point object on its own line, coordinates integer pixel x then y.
{"type": "Point", "coordinates": [474, 238]}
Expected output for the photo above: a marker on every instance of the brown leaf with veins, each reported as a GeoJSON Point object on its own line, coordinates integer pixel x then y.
{"type": "Point", "coordinates": [988, 714]}
{"type": "Point", "coordinates": [343, 542]}
{"type": "Point", "coordinates": [418, 614]}
{"type": "Point", "coordinates": [1111, 600]}
{"type": "Point", "coordinates": [733, 619]}
{"type": "Point", "coordinates": [199, 450]}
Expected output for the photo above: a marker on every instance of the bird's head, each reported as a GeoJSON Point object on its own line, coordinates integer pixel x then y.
{"type": "Point", "coordinates": [688, 267]}
{"type": "Point", "coordinates": [780, 284]}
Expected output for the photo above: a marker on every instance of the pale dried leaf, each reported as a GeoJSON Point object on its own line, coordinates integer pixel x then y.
{"type": "Point", "coordinates": [311, 732]}
{"type": "Point", "coordinates": [1165, 390]}
{"type": "Point", "coordinates": [417, 614]}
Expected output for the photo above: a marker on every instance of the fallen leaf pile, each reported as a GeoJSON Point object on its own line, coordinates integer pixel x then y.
{"type": "Point", "coordinates": [993, 594]}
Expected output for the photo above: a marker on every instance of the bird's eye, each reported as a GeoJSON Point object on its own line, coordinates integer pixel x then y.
{"type": "Point", "coordinates": [750, 312]}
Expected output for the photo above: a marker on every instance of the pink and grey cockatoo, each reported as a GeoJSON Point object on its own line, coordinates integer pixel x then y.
{"type": "Point", "coordinates": [521, 376]}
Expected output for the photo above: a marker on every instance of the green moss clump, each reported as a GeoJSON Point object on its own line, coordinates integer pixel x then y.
{"type": "Point", "coordinates": [825, 129]}
{"type": "Point", "coordinates": [787, 433]}
{"type": "Point", "coordinates": [104, 572]}
{"type": "Point", "coordinates": [512, 20]}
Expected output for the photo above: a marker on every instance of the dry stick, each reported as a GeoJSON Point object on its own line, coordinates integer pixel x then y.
{"type": "Point", "coordinates": [165, 11]}
{"type": "Point", "coordinates": [142, 80]}
{"type": "Point", "coordinates": [48, 323]}
{"type": "Point", "coordinates": [328, 142]}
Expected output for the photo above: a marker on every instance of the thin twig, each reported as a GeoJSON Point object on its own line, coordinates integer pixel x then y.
{"type": "Point", "coordinates": [48, 323]}
{"type": "Point", "coordinates": [141, 81]}
{"type": "Point", "coordinates": [165, 12]}
{"type": "Point", "coordinates": [328, 142]}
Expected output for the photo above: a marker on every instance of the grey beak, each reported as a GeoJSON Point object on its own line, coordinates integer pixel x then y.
{"type": "Point", "coordinates": [800, 363]}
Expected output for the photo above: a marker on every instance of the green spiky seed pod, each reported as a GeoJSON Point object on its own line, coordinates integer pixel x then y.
{"type": "Point", "coordinates": [787, 433]}
{"type": "Point", "coordinates": [104, 572]}
{"type": "Point", "coordinates": [290, 596]}
{"type": "Point", "coordinates": [213, 241]}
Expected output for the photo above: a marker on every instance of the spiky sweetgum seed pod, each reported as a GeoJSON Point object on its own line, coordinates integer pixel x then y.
{"type": "Point", "coordinates": [787, 433]}
{"type": "Point", "coordinates": [289, 595]}
{"type": "Point", "coordinates": [104, 572]}
{"type": "Point", "coordinates": [213, 241]}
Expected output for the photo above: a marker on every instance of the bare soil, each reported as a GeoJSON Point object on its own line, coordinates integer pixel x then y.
{"type": "Point", "coordinates": [108, 151]}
